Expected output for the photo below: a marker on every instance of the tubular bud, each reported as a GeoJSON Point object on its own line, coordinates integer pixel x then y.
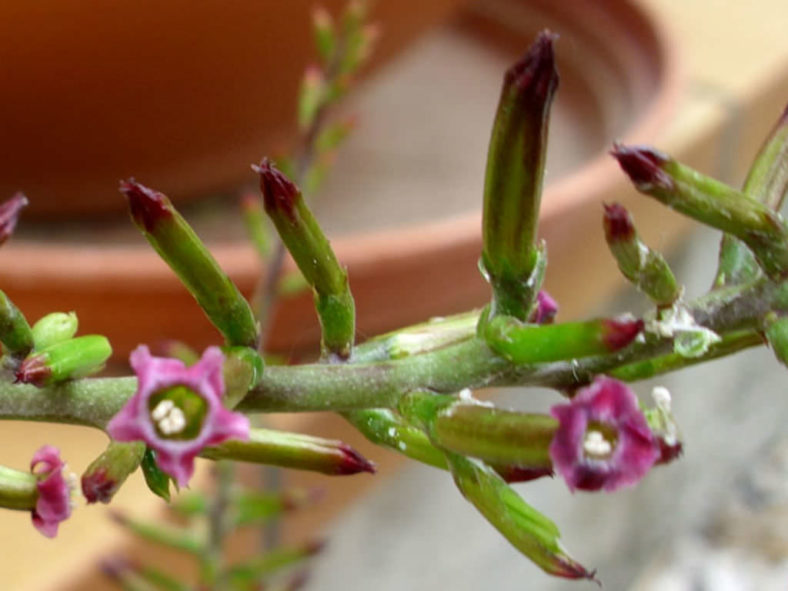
{"type": "Point", "coordinates": [514, 177]}
{"type": "Point", "coordinates": [324, 33]}
{"type": "Point", "coordinates": [74, 358]}
{"type": "Point", "coordinates": [176, 243]}
{"type": "Point", "coordinates": [292, 450]}
{"type": "Point", "coordinates": [533, 534]}
{"type": "Point", "coordinates": [107, 473]}
{"type": "Point", "coordinates": [54, 328]}
{"type": "Point", "coordinates": [644, 267]}
{"type": "Point", "coordinates": [499, 437]}
{"type": "Point", "coordinates": [709, 202]}
{"type": "Point", "coordinates": [528, 343]}
{"type": "Point", "coordinates": [312, 252]}
{"type": "Point", "coordinates": [15, 332]}
{"type": "Point", "coordinates": [767, 182]}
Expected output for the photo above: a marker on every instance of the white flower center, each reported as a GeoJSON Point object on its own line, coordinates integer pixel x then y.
{"type": "Point", "coordinates": [168, 417]}
{"type": "Point", "coordinates": [595, 444]}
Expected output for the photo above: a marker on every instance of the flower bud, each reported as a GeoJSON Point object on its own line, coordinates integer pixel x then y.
{"type": "Point", "coordinates": [176, 243]}
{"type": "Point", "coordinates": [107, 473]}
{"type": "Point", "coordinates": [324, 34]}
{"type": "Point", "coordinates": [54, 328]}
{"type": "Point", "coordinates": [514, 177]}
{"type": "Point", "coordinates": [312, 252]}
{"type": "Point", "coordinates": [74, 358]}
{"type": "Point", "coordinates": [533, 534]}
{"type": "Point", "coordinates": [645, 268]}
{"type": "Point", "coordinates": [15, 333]}
{"type": "Point", "coordinates": [709, 202]}
{"type": "Point", "coordinates": [292, 450]}
{"type": "Point", "coordinates": [527, 343]}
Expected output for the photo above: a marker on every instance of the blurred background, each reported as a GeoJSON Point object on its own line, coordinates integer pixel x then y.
{"type": "Point", "coordinates": [185, 95]}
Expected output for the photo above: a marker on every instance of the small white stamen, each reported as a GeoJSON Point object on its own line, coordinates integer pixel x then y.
{"type": "Point", "coordinates": [595, 444]}
{"type": "Point", "coordinates": [402, 446]}
{"type": "Point", "coordinates": [661, 396]}
{"type": "Point", "coordinates": [169, 418]}
{"type": "Point", "coordinates": [162, 410]}
{"type": "Point", "coordinates": [392, 432]}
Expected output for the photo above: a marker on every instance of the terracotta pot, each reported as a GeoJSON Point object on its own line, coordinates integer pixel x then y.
{"type": "Point", "coordinates": [619, 80]}
{"type": "Point", "coordinates": [182, 94]}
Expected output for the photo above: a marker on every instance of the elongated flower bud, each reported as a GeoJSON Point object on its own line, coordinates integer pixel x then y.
{"type": "Point", "coordinates": [514, 177]}
{"type": "Point", "coordinates": [107, 473]}
{"type": "Point", "coordinates": [528, 343]}
{"type": "Point", "coordinates": [642, 266]}
{"type": "Point", "coordinates": [54, 328]}
{"type": "Point", "coordinates": [710, 202]}
{"type": "Point", "coordinates": [767, 182]}
{"type": "Point", "coordinates": [533, 534]}
{"type": "Point", "coordinates": [311, 251]}
{"type": "Point", "coordinates": [497, 436]}
{"type": "Point", "coordinates": [9, 215]}
{"type": "Point", "coordinates": [15, 332]}
{"type": "Point", "coordinates": [74, 358]}
{"type": "Point", "coordinates": [324, 33]}
{"type": "Point", "coordinates": [176, 243]}
{"type": "Point", "coordinates": [292, 450]}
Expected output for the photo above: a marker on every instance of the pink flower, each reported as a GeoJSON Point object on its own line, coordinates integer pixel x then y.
{"type": "Point", "coordinates": [603, 440]}
{"type": "Point", "coordinates": [177, 410]}
{"type": "Point", "coordinates": [54, 494]}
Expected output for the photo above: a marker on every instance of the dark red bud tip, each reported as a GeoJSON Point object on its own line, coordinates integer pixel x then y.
{"type": "Point", "coordinates": [618, 224]}
{"type": "Point", "coordinates": [668, 451]}
{"type": "Point", "coordinates": [148, 207]}
{"type": "Point", "coordinates": [643, 165]}
{"type": "Point", "coordinates": [98, 487]}
{"type": "Point", "coordinates": [353, 462]}
{"type": "Point", "coordinates": [535, 72]}
{"type": "Point", "coordinates": [569, 569]}
{"type": "Point", "coordinates": [621, 332]}
{"type": "Point", "coordinates": [279, 192]}
{"type": "Point", "coordinates": [512, 474]}
{"type": "Point", "coordinates": [33, 370]}
{"type": "Point", "coordinates": [9, 215]}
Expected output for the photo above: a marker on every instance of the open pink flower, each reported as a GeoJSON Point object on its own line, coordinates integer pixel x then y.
{"type": "Point", "coordinates": [177, 410]}
{"type": "Point", "coordinates": [603, 440]}
{"type": "Point", "coordinates": [54, 494]}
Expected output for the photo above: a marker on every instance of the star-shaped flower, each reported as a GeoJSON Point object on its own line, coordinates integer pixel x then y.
{"type": "Point", "coordinates": [177, 410]}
